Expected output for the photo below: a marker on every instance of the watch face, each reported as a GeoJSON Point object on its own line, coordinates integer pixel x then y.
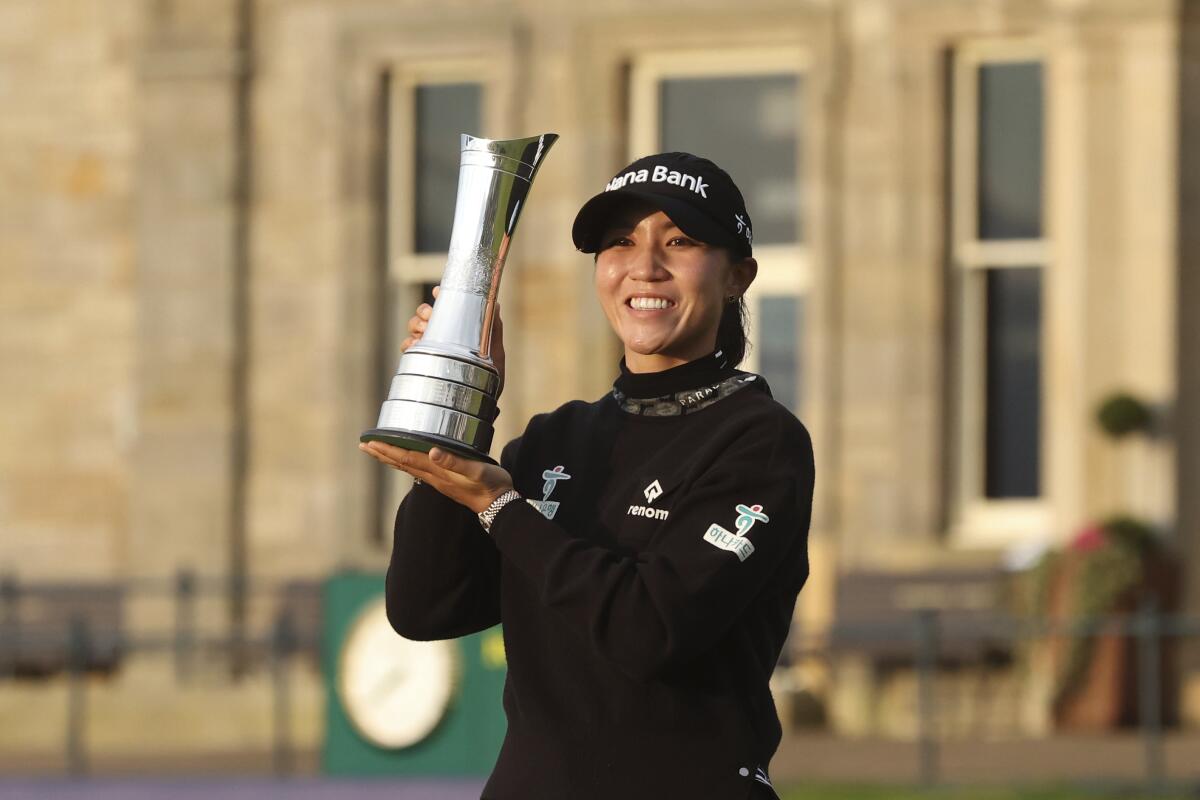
{"type": "Point", "coordinates": [395, 691]}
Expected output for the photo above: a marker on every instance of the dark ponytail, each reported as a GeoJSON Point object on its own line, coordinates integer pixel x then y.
{"type": "Point", "coordinates": [731, 332]}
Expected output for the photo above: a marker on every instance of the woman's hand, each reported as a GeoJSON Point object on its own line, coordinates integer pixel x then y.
{"type": "Point", "coordinates": [474, 484]}
{"type": "Point", "coordinates": [420, 320]}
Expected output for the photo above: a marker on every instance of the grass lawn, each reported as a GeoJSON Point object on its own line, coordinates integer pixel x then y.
{"type": "Point", "coordinates": [885, 792]}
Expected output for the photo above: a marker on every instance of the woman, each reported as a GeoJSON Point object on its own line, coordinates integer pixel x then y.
{"type": "Point", "coordinates": [647, 586]}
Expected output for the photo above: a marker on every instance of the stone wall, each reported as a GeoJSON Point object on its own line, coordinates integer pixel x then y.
{"type": "Point", "coordinates": [68, 299]}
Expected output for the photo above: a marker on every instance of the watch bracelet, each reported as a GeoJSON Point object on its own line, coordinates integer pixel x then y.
{"type": "Point", "coordinates": [488, 515]}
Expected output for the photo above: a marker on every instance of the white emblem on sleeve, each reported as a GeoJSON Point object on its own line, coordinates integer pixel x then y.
{"type": "Point", "coordinates": [737, 543]}
{"type": "Point", "coordinates": [551, 477]}
{"type": "Point", "coordinates": [653, 491]}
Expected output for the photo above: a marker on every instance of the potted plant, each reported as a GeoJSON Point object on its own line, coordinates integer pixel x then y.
{"type": "Point", "coordinates": [1109, 570]}
{"type": "Point", "coordinates": [1106, 573]}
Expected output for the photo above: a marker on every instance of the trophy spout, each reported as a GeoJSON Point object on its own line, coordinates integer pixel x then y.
{"type": "Point", "coordinates": [494, 179]}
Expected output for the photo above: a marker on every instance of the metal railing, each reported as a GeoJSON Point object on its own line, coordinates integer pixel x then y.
{"type": "Point", "coordinates": [81, 628]}
{"type": "Point", "coordinates": [283, 639]}
{"type": "Point", "coordinates": [1147, 627]}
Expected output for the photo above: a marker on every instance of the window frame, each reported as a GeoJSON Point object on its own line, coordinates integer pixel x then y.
{"type": "Point", "coordinates": [783, 269]}
{"type": "Point", "coordinates": [975, 520]}
{"type": "Point", "coordinates": [404, 262]}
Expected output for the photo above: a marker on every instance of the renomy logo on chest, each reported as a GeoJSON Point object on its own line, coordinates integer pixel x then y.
{"type": "Point", "coordinates": [652, 493]}
{"type": "Point", "coordinates": [660, 174]}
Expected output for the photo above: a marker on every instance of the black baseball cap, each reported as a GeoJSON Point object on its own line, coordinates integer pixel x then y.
{"type": "Point", "coordinates": [695, 193]}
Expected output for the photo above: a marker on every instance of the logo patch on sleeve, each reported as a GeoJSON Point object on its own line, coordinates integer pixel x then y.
{"type": "Point", "coordinates": [546, 506]}
{"type": "Point", "coordinates": [737, 543]}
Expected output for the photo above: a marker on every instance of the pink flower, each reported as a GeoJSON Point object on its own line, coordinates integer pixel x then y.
{"type": "Point", "coordinates": [1090, 538]}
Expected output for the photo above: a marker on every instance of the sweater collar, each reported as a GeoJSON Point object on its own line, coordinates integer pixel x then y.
{"type": "Point", "coordinates": [704, 371]}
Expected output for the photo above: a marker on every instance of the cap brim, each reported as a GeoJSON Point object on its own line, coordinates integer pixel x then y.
{"type": "Point", "coordinates": [596, 214]}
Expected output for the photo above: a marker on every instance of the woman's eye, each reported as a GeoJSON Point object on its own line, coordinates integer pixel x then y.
{"type": "Point", "coordinates": [678, 241]}
{"type": "Point", "coordinates": [617, 241]}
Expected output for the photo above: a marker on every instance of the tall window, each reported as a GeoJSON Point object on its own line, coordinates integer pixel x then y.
{"type": "Point", "coordinates": [1000, 251]}
{"type": "Point", "coordinates": [744, 111]}
{"type": "Point", "coordinates": [426, 111]}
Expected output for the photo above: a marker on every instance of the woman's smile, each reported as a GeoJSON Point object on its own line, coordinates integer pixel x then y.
{"type": "Point", "coordinates": [650, 303]}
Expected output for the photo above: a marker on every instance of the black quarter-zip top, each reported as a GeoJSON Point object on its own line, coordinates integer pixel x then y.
{"type": "Point", "coordinates": [645, 587]}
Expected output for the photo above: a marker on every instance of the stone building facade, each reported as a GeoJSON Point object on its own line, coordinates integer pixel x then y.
{"type": "Point", "coordinates": [210, 233]}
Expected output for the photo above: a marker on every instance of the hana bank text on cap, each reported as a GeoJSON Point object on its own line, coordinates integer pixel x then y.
{"type": "Point", "coordinates": [695, 193]}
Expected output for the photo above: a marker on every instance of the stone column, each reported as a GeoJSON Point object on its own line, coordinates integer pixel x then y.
{"type": "Point", "coordinates": [185, 499]}
{"type": "Point", "coordinates": [1187, 405]}
{"type": "Point", "coordinates": [887, 314]}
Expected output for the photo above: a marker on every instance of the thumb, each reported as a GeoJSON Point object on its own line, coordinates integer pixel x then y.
{"type": "Point", "coordinates": [440, 457]}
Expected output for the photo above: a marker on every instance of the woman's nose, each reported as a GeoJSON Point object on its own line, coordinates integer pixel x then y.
{"type": "Point", "coordinates": [646, 265]}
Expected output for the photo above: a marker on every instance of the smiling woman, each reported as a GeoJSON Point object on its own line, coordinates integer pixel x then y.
{"type": "Point", "coordinates": [647, 585]}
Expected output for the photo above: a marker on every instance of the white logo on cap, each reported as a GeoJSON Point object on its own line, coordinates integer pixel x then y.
{"type": "Point", "coordinates": [743, 227]}
{"type": "Point", "coordinates": [660, 175]}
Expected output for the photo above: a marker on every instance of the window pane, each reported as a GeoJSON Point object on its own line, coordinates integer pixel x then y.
{"type": "Point", "coordinates": [1010, 151]}
{"type": "Point", "coordinates": [750, 127]}
{"type": "Point", "coordinates": [778, 325]}
{"type": "Point", "coordinates": [443, 111]}
{"type": "Point", "coordinates": [1014, 330]}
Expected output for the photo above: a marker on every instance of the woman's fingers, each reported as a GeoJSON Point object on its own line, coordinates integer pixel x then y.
{"type": "Point", "coordinates": [417, 324]}
{"type": "Point", "coordinates": [474, 484]}
{"type": "Point", "coordinates": [397, 458]}
{"type": "Point", "coordinates": [380, 454]}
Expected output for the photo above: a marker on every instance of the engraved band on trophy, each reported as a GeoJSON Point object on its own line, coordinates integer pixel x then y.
{"type": "Point", "coordinates": [445, 390]}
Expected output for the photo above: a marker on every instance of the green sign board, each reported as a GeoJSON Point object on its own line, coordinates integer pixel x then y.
{"type": "Point", "coordinates": [395, 707]}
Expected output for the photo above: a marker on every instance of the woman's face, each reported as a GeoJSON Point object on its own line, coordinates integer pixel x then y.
{"type": "Point", "coordinates": [663, 291]}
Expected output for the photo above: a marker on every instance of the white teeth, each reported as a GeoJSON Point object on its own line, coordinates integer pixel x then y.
{"type": "Point", "coordinates": [649, 303]}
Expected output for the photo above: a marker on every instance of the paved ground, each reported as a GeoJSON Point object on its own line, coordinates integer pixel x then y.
{"type": "Point", "coordinates": [238, 789]}
{"type": "Point", "coordinates": [1121, 758]}
{"type": "Point", "coordinates": [1113, 759]}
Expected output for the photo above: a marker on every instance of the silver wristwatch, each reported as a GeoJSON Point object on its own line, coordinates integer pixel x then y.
{"type": "Point", "coordinates": [488, 515]}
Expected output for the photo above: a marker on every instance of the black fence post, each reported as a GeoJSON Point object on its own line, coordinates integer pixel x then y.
{"type": "Point", "coordinates": [10, 626]}
{"type": "Point", "coordinates": [1149, 640]}
{"type": "Point", "coordinates": [239, 662]}
{"type": "Point", "coordinates": [78, 644]}
{"type": "Point", "coordinates": [185, 623]}
{"type": "Point", "coordinates": [282, 645]}
{"type": "Point", "coordinates": [926, 621]}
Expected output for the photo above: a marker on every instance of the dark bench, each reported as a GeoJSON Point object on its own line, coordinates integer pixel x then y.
{"type": "Point", "coordinates": [42, 625]}
{"type": "Point", "coordinates": [879, 615]}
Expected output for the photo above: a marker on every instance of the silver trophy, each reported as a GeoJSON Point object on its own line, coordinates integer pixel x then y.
{"type": "Point", "coordinates": [445, 390]}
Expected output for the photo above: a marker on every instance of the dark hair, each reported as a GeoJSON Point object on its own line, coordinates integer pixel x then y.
{"type": "Point", "coordinates": [731, 332]}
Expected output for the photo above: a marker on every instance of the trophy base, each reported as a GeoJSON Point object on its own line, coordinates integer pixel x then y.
{"type": "Point", "coordinates": [422, 442]}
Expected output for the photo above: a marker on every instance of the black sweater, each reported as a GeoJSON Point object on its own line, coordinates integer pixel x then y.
{"type": "Point", "coordinates": [643, 621]}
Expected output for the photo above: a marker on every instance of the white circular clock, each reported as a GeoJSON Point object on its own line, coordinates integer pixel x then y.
{"type": "Point", "coordinates": [395, 691]}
